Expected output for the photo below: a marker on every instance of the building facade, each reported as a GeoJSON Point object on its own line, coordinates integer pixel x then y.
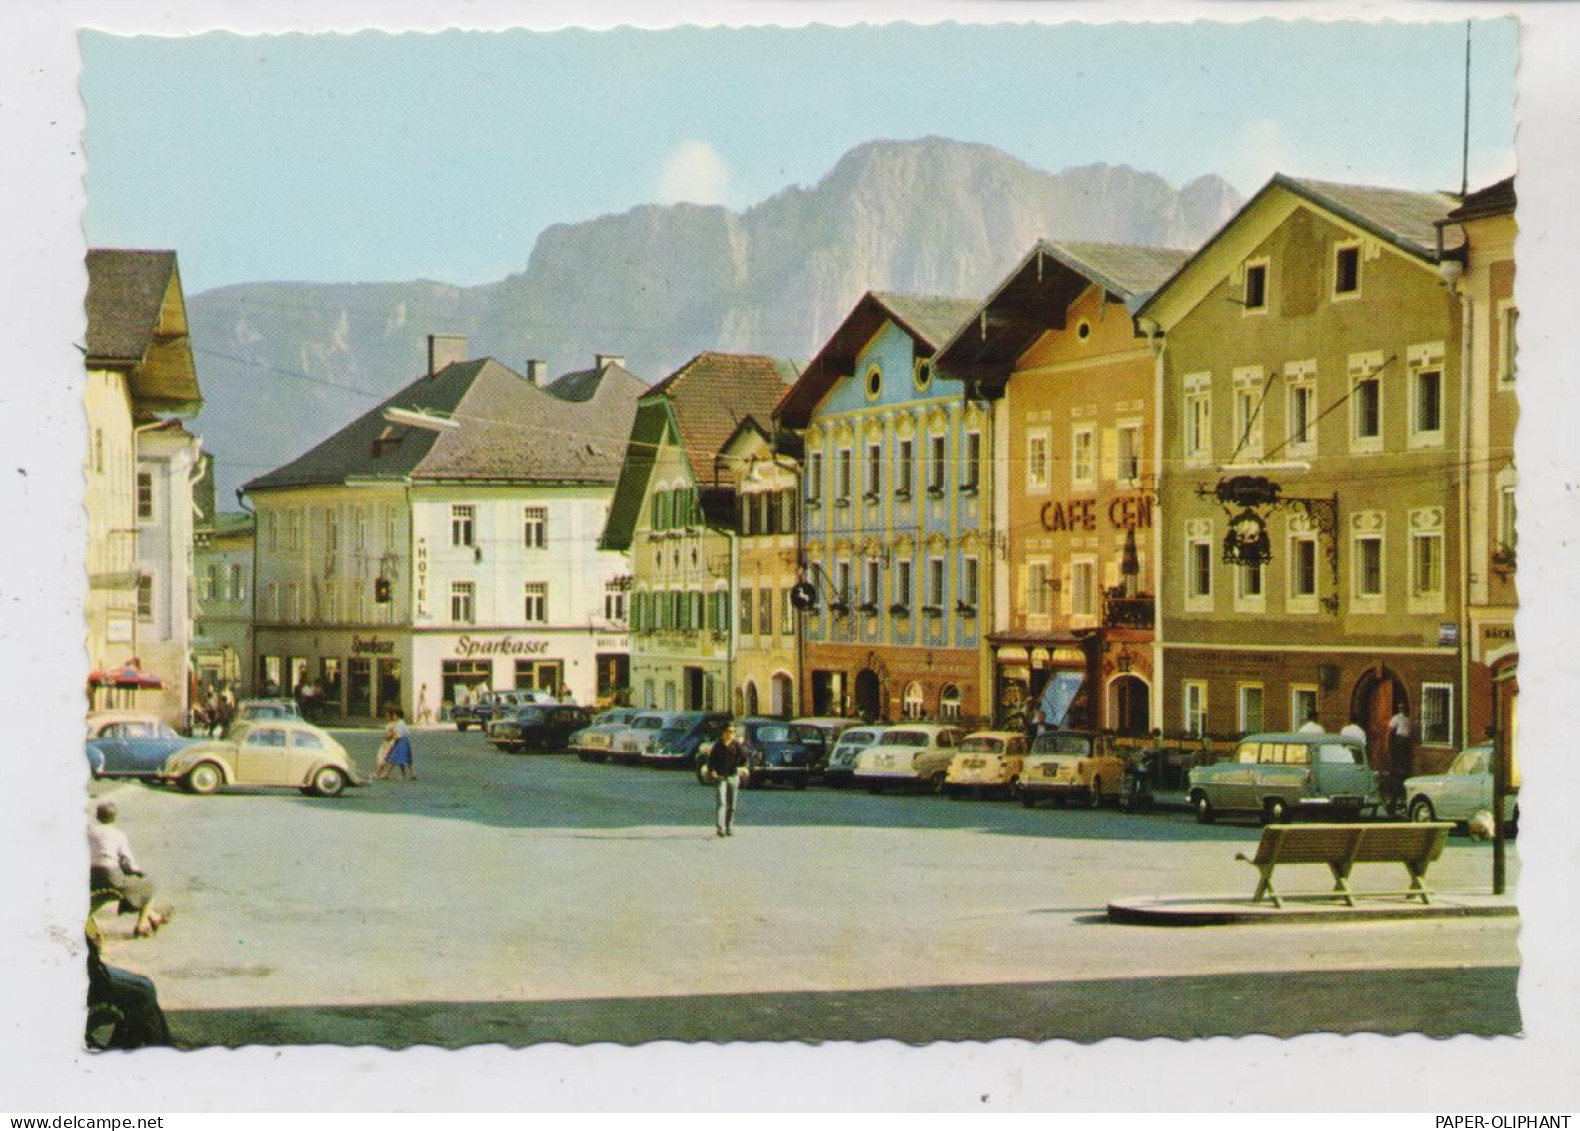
{"type": "Point", "coordinates": [445, 544]}
{"type": "Point", "coordinates": [1311, 412]}
{"type": "Point", "coordinates": [1055, 351]}
{"type": "Point", "coordinates": [896, 516]}
{"type": "Point", "coordinates": [139, 364]}
{"type": "Point", "coordinates": [675, 512]}
{"type": "Point", "coordinates": [222, 631]}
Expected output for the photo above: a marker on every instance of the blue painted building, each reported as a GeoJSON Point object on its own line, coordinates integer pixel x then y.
{"type": "Point", "coordinates": [896, 516]}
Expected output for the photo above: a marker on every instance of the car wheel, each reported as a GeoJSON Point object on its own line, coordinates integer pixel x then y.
{"type": "Point", "coordinates": [1096, 798]}
{"type": "Point", "coordinates": [1203, 807]}
{"type": "Point", "coordinates": [1274, 811]}
{"type": "Point", "coordinates": [1421, 811]}
{"type": "Point", "coordinates": [329, 782]}
{"type": "Point", "coordinates": [461, 727]}
{"type": "Point", "coordinates": [205, 777]}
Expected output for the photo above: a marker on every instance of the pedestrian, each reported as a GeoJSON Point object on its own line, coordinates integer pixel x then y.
{"type": "Point", "coordinates": [397, 738]}
{"type": "Point", "coordinates": [424, 712]}
{"type": "Point", "coordinates": [1399, 749]}
{"type": "Point", "coordinates": [113, 869]}
{"type": "Point", "coordinates": [724, 764]}
{"type": "Point", "coordinates": [1354, 730]}
{"type": "Point", "coordinates": [1311, 725]}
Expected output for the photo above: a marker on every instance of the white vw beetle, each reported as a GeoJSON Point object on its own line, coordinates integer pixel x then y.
{"type": "Point", "coordinates": [909, 754]}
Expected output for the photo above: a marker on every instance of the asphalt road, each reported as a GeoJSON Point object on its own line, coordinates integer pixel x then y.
{"type": "Point", "coordinates": [519, 899]}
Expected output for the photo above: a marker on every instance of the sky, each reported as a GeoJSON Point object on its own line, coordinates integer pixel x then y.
{"type": "Point", "coordinates": [369, 156]}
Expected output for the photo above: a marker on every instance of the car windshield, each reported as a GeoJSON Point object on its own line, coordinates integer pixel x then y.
{"type": "Point", "coordinates": [1062, 744]}
{"type": "Point", "coordinates": [771, 732]}
{"type": "Point", "coordinates": [982, 746]}
{"type": "Point", "coordinates": [905, 738]}
{"type": "Point", "coordinates": [647, 722]}
{"type": "Point", "coordinates": [530, 715]}
{"type": "Point", "coordinates": [1475, 760]}
{"type": "Point", "coordinates": [857, 737]}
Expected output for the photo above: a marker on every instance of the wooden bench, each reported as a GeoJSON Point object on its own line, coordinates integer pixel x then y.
{"type": "Point", "coordinates": [1341, 847]}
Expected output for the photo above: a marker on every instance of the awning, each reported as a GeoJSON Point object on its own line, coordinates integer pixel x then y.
{"type": "Point", "coordinates": [128, 675]}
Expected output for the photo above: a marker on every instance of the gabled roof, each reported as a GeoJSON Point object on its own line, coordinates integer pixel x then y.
{"type": "Point", "coordinates": [1494, 200]}
{"type": "Point", "coordinates": [1403, 218]}
{"type": "Point", "coordinates": [1035, 296]}
{"type": "Point", "coordinates": [930, 320]}
{"type": "Point", "coordinates": [584, 383]}
{"type": "Point", "coordinates": [137, 322]}
{"type": "Point", "coordinates": [699, 406]}
{"type": "Point", "coordinates": [508, 431]}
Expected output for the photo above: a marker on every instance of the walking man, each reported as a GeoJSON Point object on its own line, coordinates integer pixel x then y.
{"type": "Point", "coordinates": [724, 762]}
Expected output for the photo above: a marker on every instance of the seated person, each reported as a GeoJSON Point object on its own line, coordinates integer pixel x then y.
{"type": "Point", "coordinates": [113, 868]}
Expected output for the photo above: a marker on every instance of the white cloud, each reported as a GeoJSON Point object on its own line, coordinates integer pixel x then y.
{"type": "Point", "coordinates": [694, 172]}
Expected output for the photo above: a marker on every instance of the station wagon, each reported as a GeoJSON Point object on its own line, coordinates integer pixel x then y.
{"type": "Point", "coordinates": [1277, 775]}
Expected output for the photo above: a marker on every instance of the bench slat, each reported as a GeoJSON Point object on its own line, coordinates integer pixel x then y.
{"type": "Point", "coordinates": [1341, 847]}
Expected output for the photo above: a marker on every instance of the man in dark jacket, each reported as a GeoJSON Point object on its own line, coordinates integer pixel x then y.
{"type": "Point", "coordinates": [725, 761]}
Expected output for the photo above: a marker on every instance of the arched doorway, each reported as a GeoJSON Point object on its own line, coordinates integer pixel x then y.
{"type": "Point", "coordinates": [1378, 694]}
{"type": "Point", "coordinates": [869, 694]}
{"type": "Point", "coordinates": [1129, 705]}
{"type": "Point", "coordinates": [783, 689]}
{"type": "Point", "coordinates": [912, 701]}
{"type": "Point", "coordinates": [750, 696]}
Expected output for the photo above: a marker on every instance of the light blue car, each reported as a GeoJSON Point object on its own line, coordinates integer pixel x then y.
{"type": "Point", "coordinates": [130, 744]}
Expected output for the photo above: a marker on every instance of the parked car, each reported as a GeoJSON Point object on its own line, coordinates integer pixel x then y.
{"type": "Point", "coordinates": [674, 745]}
{"type": "Point", "coordinates": [131, 744]}
{"type": "Point", "coordinates": [593, 743]}
{"type": "Point", "coordinates": [909, 754]}
{"type": "Point", "coordinates": [1072, 765]}
{"type": "Point", "coordinates": [776, 751]}
{"type": "Point", "coordinates": [538, 727]}
{"type": "Point", "coordinates": [491, 705]}
{"type": "Point", "coordinates": [266, 752]}
{"type": "Point", "coordinates": [1461, 791]}
{"type": "Point", "coordinates": [632, 741]}
{"type": "Point", "coordinates": [841, 764]}
{"type": "Point", "coordinates": [821, 734]}
{"type": "Point", "coordinates": [989, 760]}
{"type": "Point", "coordinates": [1277, 775]}
{"type": "Point", "coordinates": [249, 709]}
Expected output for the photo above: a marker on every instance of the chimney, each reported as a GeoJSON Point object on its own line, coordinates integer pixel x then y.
{"type": "Point", "coordinates": [537, 371]}
{"type": "Point", "coordinates": [445, 349]}
{"type": "Point", "coordinates": [604, 359]}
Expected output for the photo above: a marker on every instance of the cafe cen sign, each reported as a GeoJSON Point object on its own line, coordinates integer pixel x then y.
{"type": "Point", "coordinates": [1124, 512]}
{"type": "Point", "coordinates": [500, 646]}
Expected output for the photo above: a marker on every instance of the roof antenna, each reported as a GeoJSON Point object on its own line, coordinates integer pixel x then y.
{"type": "Point", "coordinates": [1464, 177]}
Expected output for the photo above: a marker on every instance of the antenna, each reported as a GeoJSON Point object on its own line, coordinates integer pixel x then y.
{"type": "Point", "coordinates": [1464, 177]}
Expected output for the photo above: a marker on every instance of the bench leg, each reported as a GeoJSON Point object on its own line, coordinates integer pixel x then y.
{"type": "Point", "coordinates": [1341, 883]}
{"type": "Point", "coordinates": [1417, 882]}
{"type": "Point", "coordinates": [1265, 886]}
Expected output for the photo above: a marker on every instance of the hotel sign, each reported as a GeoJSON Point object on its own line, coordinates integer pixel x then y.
{"type": "Point", "coordinates": [422, 577]}
{"type": "Point", "coordinates": [1124, 512]}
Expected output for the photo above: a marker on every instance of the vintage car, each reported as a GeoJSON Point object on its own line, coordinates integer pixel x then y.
{"type": "Point", "coordinates": [1072, 765]}
{"type": "Point", "coordinates": [916, 754]}
{"type": "Point", "coordinates": [776, 751]}
{"type": "Point", "coordinates": [593, 743]}
{"type": "Point", "coordinates": [131, 744]}
{"type": "Point", "coordinates": [1461, 791]}
{"type": "Point", "coordinates": [675, 744]}
{"type": "Point", "coordinates": [822, 734]}
{"type": "Point", "coordinates": [538, 727]}
{"type": "Point", "coordinates": [841, 764]}
{"type": "Point", "coordinates": [495, 704]}
{"type": "Point", "coordinates": [1277, 775]}
{"type": "Point", "coordinates": [988, 761]}
{"type": "Point", "coordinates": [630, 743]}
{"type": "Point", "coordinates": [282, 752]}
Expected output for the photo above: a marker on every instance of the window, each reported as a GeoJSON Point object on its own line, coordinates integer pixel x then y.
{"type": "Point", "coordinates": [1302, 417]}
{"type": "Point", "coordinates": [842, 480]}
{"type": "Point", "coordinates": [1195, 708]}
{"type": "Point", "coordinates": [1508, 524]}
{"type": "Point", "coordinates": [842, 581]}
{"type": "Point", "coordinates": [870, 583]}
{"type": "Point", "coordinates": [613, 601]}
{"type": "Point", "coordinates": [271, 601]}
{"type": "Point", "coordinates": [1346, 270]}
{"type": "Point", "coordinates": [744, 505]}
{"type": "Point", "coordinates": [1083, 588]}
{"type": "Point", "coordinates": [1437, 714]}
{"type": "Point", "coordinates": [937, 471]}
{"type": "Point", "coordinates": [331, 530]}
{"type": "Point", "coordinates": [1302, 705]}
{"type": "Point", "coordinates": [1083, 455]}
{"type": "Point", "coordinates": [211, 582]}
{"type": "Point", "coordinates": [391, 527]}
{"type": "Point", "coordinates": [1250, 704]}
{"type": "Point", "coordinates": [1039, 593]}
{"type": "Point", "coordinates": [145, 596]}
{"type": "Point", "coordinates": [922, 373]}
{"type": "Point", "coordinates": [913, 705]}
{"type": "Point", "coordinates": [874, 470]}
{"type": "Point", "coordinates": [1366, 401]}
{"type": "Point", "coordinates": [747, 623]}
{"type": "Point", "coordinates": [902, 582]}
{"type": "Point", "coordinates": [359, 528]}
{"type": "Point", "coordinates": [1368, 566]}
{"type": "Point", "coordinates": [765, 612]}
{"type": "Point", "coordinates": [1302, 568]}
{"type": "Point", "coordinates": [1198, 420]}
{"type": "Point", "coordinates": [1128, 455]}
{"type": "Point", "coordinates": [98, 449]}
{"type": "Point", "coordinates": [535, 608]}
{"type": "Point", "coordinates": [814, 477]}
{"type": "Point", "coordinates": [1426, 564]}
{"type": "Point", "coordinates": [293, 601]}
{"type": "Point", "coordinates": [786, 614]}
{"type": "Point", "coordinates": [1248, 389]}
{"type": "Point", "coordinates": [462, 602]}
{"type": "Point", "coordinates": [935, 582]}
{"type": "Point", "coordinates": [235, 581]}
{"type": "Point", "coordinates": [948, 706]}
{"type": "Point", "coordinates": [874, 383]}
{"type": "Point", "coordinates": [787, 523]}
{"type": "Point", "coordinates": [970, 472]}
{"type": "Point", "coordinates": [904, 468]}
{"type": "Point", "coordinates": [462, 522]}
{"type": "Point", "coordinates": [1508, 342]}
{"type": "Point", "coordinates": [293, 530]}
{"type": "Point", "coordinates": [1037, 477]}
{"type": "Point", "coordinates": [1256, 286]}
{"type": "Point", "coordinates": [1248, 584]}
{"type": "Point", "coordinates": [1198, 569]}
{"type": "Point", "coordinates": [969, 578]}
{"type": "Point", "coordinates": [145, 496]}
{"type": "Point", "coordinates": [534, 527]}
{"type": "Point", "coordinates": [1426, 401]}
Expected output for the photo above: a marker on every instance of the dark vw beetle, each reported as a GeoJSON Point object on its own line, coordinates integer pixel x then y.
{"type": "Point", "coordinates": [538, 728]}
{"type": "Point", "coordinates": [777, 751]}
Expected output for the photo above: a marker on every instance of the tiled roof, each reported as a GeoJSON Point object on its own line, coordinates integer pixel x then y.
{"type": "Point", "coordinates": [1127, 271]}
{"type": "Point", "coordinates": [1494, 200]}
{"type": "Point", "coordinates": [125, 291]}
{"type": "Point", "coordinates": [508, 430]}
{"type": "Point", "coordinates": [932, 318]}
{"type": "Point", "coordinates": [712, 393]}
{"type": "Point", "coordinates": [1399, 215]}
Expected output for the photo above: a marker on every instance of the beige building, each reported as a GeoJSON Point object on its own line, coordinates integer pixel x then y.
{"type": "Point", "coordinates": [138, 495]}
{"type": "Point", "coordinates": [222, 627]}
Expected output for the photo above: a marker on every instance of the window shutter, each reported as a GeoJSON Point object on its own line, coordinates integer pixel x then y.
{"type": "Point", "coordinates": [1066, 589]}
{"type": "Point", "coordinates": [1110, 574]}
{"type": "Point", "coordinates": [1109, 439]}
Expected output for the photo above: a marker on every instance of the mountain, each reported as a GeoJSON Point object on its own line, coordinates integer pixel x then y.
{"type": "Point", "coordinates": [284, 364]}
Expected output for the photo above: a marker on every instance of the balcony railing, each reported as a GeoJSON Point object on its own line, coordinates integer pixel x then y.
{"type": "Point", "coordinates": [1128, 612]}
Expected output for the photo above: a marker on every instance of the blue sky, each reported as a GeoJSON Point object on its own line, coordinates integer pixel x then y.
{"type": "Point", "coordinates": [368, 157]}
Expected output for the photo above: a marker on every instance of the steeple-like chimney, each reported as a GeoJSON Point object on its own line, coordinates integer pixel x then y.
{"type": "Point", "coordinates": [445, 349]}
{"type": "Point", "coordinates": [604, 359]}
{"type": "Point", "coordinates": [537, 371]}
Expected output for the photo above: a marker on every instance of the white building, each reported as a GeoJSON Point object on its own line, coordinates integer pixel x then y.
{"type": "Point", "coordinates": [446, 543]}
